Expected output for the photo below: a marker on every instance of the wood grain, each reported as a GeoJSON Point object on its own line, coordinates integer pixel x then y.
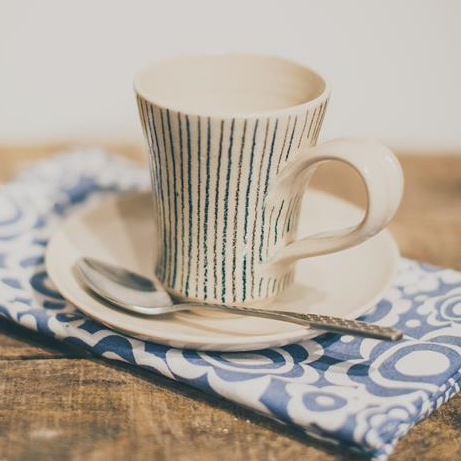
{"type": "Point", "coordinates": [18, 343]}
{"type": "Point", "coordinates": [83, 409]}
{"type": "Point", "coordinates": [55, 404]}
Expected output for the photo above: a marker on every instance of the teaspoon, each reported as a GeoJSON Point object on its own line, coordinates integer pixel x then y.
{"type": "Point", "coordinates": [135, 293]}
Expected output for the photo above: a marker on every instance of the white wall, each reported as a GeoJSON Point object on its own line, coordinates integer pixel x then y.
{"type": "Point", "coordinates": [66, 66]}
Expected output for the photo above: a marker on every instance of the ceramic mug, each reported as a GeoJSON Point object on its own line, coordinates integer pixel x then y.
{"type": "Point", "coordinates": [232, 145]}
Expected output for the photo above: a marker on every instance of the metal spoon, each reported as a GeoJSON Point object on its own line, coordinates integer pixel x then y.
{"type": "Point", "coordinates": [136, 293]}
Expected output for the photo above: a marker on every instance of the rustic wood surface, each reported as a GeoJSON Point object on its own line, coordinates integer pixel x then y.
{"type": "Point", "coordinates": [57, 403]}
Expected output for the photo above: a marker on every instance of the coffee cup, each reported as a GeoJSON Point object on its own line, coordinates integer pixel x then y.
{"type": "Point", "coordinates": [232, 143]}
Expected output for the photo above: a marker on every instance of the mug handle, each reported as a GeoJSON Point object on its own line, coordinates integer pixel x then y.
{"type": "Point", "coordinates": [383, 178]}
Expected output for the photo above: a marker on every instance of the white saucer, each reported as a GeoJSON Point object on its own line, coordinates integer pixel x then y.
{"type": "Point", "coordinates": [120, 230]}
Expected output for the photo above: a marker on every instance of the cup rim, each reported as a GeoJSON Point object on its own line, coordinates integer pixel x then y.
{"type": "Point", "coordinates": [231, 115]}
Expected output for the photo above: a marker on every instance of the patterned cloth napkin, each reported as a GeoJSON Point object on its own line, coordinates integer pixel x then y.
{"type": "Point", "coordinates": [362, 394]}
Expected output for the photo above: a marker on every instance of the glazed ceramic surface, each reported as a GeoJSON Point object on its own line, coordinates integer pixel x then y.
{"type": "Point", "coordinates": [121, 231]}
{"type": "Point", "coordinates": [232, 145]}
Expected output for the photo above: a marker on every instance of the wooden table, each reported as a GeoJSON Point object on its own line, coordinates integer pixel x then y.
{"type": "Point", "coordinates": [57, 403]}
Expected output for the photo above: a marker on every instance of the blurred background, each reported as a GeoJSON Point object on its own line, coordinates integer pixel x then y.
{"type": "Point", "coordinates": [66, 67]}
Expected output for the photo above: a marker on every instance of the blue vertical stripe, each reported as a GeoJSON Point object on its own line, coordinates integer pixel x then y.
{"type": "Point", "coordinates": [152, 168]}
{"type": "Point", "coordinates": [258, 189]}
{"type": "Point", "coordinates": [216, 208]}
{"type": "Point", "coordinates": [266, 185]}
{"type": "Point", "coordinates": [316, 136]}
{"type": "Point", "coordinates": [284, 143]}
{"type": "Point", "coordinates": [295, 212]}
{"type": "Point", "coordinates": [276, 229]}
{"type": "Point", "coordinates": [269, 281]}
{"type": "Point", "coordinates": [291, 139]}
{"type": "Point", "coordinates": [175, 204]}
{"type": "Point", "coordinates": [268, 242]}
{"type": "Point", "coordinates": [162, 272]}
{"type": "Point", "coordinates": [316, 124]}
{"type": "Point", "coordinates": [247, 203]}
{"type": "Point", "coordinates": [310, 126]}
{"type": "Point", "coordinates": [207, 206]}
{"type": "Point", "coordinates": [183, 204]}
{"type": "Point", "coordinates": [236, 213]}
{"type": "Point", "coordinates": [148, 135]}
{"type": "Point", "coordinates": [226, 211]}
{"type": "Point", "coordinates": [198, 261]}
{"type": "Point", "coordinates": [189, 199]}
{"type": "Point", "coordinates": [269, 232]}
{"type": "Point", "coordinates": [292, 215]}
{"type": "Point", "coordinates": [301, 136]}
{"type": "Point", "coordinates": [287, 215]}
{"type": "Point", "coordinates": [169, 199]}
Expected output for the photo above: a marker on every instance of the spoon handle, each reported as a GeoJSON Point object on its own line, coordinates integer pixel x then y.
{"type": "Point", "coordinates": [316, 321]}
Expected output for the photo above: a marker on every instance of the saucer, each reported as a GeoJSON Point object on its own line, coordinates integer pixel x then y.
{"type": "Point", "coordinates": [120, 230]}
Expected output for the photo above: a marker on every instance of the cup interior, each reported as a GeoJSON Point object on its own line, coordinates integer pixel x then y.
{"type": "Point", "coordinates": [228, 84]}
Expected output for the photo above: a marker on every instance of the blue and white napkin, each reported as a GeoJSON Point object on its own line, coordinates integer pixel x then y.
{"type": "Point", "coordinates": [358, 393]}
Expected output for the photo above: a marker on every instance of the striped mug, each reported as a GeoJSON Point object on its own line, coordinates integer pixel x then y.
{"type": "Point", "coordinates": [232, 144]}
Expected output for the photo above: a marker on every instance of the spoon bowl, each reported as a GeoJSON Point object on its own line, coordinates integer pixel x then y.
{"type": "Point", "coordinates": [124, 288]}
